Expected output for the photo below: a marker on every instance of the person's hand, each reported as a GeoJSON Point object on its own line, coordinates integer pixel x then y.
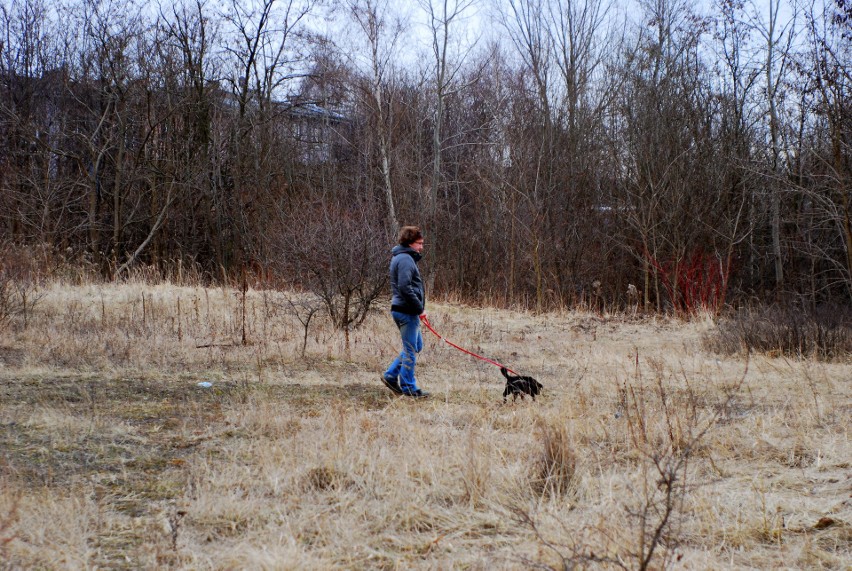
{"type": "Point", "coordinates": [423, 316]}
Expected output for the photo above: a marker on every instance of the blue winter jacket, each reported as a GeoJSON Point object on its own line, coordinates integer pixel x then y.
{"type": "Point", "coordinates": [406, 285]}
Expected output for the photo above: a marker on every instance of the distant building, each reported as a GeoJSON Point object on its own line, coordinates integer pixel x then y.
{"type": "Point", "coordinates": [318, 132]}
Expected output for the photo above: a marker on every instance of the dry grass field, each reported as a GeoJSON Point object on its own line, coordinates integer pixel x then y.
{"type": "Point", "coordinates": [644, 451]}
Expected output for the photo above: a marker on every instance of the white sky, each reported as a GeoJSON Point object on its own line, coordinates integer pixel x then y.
{"type": "Point", "coordinates": [479, 26]}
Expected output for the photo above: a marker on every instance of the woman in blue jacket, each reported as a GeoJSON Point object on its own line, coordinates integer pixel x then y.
{"type": "Point", "coordinates": [407, 305]}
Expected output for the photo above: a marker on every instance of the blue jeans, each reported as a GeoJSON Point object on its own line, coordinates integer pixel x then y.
{"type": "Point", "coordinates": [412, 343]}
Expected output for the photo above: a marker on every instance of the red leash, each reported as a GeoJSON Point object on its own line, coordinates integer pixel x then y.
{"type": "Point", "coordinates": [462, 349]}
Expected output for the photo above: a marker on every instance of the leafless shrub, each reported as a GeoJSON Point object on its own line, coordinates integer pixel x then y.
{"type": "Point", "coordinates": [666, 433]}
{"type": "Point", "coordinates": [304, 307]}
{"type": "Point", "coordinates": [824, 333]}
{"type": "Point", "coordinates": [339, 254]}
{"type": "Point", "coordinates": [19, 279]}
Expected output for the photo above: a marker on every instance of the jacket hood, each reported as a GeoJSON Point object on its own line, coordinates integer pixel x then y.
{"type": "Point", "coordinates": [400, 249]}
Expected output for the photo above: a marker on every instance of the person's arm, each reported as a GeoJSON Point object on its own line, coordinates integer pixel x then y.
{"type": "Point", "coordinates": [407, 289]}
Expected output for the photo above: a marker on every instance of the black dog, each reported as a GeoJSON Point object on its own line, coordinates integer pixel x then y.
{"type": "Point", "coordinates": [519, 386]}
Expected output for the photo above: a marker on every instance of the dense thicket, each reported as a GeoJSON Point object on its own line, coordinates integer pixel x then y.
{"type": "Point", "coordinates": [703, 158]}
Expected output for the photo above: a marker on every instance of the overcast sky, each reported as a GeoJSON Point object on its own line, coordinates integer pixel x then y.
{"type": "Point", "coordinates": [480, 25]}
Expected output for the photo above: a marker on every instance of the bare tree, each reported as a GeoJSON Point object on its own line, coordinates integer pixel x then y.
{"type": "Point", "coordinates": [825, 153]}
{"type": "Point", "coordinates": [565, 49]}
{"type": "Point", "coordinates": [529, 31]}
{"type": "Point", "coordinates": [383, 34]}
{"type": "Point", "coordinates": [740, 65]}
{"type": "Point", "coordinates": [778, 36]}
{"type": "Point", "coordinates": [263, 31]}
{"type": "Point", "coordinates": [35, 197]}
{"type": "Point", "coordinates": [445, 19]}
{"type": "Point", "coordinates": [108, 132]}
{"type": "Point", "coordinates": [183, 54]}
{"type": "Point", "coordinates": [559, 157]}
{"type": "Point", "coordinates": [578, 36]}
{"type": "Point", "coordinates": [264, 45]}
{"type": "Point", "coordinates": [673, 165]}
{"type": "Point", "coordinates": [528, 27]}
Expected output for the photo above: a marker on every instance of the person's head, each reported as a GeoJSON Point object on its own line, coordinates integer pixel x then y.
{"type": "Point", "coordinates": [412, 237]}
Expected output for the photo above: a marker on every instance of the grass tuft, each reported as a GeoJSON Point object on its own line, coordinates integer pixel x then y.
{"type": "Point", "coordinates": [555, 469]}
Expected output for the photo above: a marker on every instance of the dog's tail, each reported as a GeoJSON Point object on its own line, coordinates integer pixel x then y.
{"type": "Point", "coordinates": [505, 372]}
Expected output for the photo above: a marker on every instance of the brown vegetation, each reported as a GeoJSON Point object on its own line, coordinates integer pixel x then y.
{"type": "Point", "coordinates": [701, 151]}
{"type": "Point", "coordinates": [643, 451]}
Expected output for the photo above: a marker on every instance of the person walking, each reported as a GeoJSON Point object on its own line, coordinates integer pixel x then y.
{"type": "Point", "coordinates": [408, 304]}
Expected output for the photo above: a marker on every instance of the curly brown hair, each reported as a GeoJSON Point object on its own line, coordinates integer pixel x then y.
{"type": "Point", "coordinates": [409, 234]}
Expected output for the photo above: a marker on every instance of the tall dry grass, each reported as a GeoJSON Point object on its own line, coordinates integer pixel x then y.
{"type": "Point", "coordinates": [643, 452]}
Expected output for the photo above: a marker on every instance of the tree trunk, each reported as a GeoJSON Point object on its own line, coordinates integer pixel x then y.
{"type": "Point", "coordinates": [771, 89]}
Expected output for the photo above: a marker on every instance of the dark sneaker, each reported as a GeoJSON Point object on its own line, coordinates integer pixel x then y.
{"type": "Point", "coordinates": [392, 384]}
{"type": "Point", "coordinates": [416, 394]}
